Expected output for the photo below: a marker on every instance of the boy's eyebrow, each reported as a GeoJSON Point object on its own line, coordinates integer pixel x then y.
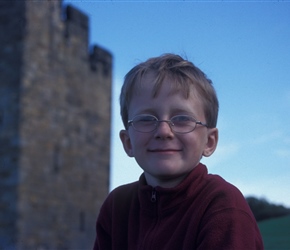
{"type": "Point", "coordinates": [183, 111]}
{"type": "Point", "coordinates": [173, 112]}
{"type": "Point", "coordinates": [148, 111]}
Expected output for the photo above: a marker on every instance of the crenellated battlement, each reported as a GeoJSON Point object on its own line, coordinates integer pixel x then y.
{"type": "Point", "coordinates": [101, 60]}
{"type": "Point", "coordinates": [77, 25]}
{"type": "Point", "coordinates": [77, 17]}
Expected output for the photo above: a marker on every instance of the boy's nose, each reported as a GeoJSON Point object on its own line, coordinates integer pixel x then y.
{"type": "Point", "coordinates": [163, 130]}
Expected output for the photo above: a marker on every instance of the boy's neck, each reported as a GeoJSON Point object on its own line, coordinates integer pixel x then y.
{"type": "Point", "coordinates": [164, 182]}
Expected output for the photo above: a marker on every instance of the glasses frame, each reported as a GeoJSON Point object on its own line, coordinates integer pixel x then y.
{"type": "Point", "coordinates": [169, 122]}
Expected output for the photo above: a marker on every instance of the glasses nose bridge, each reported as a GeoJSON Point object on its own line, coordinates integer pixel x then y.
{"type": "Point", "coordinates": [169, 122]}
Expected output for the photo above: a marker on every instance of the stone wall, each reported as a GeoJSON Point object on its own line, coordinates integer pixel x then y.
{"type": "Point", "coordinates": [55, 114]}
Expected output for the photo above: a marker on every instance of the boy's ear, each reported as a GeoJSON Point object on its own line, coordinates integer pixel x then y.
{"type": "Point", "coordinates": [212, 140]}
{"type": "Point", "coordinates": [126, 141]}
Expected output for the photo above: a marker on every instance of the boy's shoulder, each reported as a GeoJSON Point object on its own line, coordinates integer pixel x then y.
{"type": "Point", "coordinates": [225, 194]}
{"type": "Point", "coordinates": [219, 184]}
{"type": "Point", "coordinates": [201, 181]}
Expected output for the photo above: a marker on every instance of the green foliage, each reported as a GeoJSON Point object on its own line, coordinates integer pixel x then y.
{"type": "Point", "coordinates": [263, 210]}
{"type": "Point", "coordinates": [275, 233]}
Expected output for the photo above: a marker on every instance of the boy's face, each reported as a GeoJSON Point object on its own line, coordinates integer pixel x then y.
{"type": "Point", "coordinates": [167, 157]}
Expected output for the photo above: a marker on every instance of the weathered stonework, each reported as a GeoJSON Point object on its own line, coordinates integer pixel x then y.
{"type": "Point", "coordinates": [55, 115]}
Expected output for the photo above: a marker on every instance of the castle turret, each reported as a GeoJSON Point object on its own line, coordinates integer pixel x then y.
{"type": "Point", "coordinates": [55, 116]}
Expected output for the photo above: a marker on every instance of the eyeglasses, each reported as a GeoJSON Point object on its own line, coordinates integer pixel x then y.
{"type": "Point", "coordinates": [180, 124]}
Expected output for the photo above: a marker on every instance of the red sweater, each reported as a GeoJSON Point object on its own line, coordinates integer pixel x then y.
{"type": "Point", "coordinates": [202, 212]}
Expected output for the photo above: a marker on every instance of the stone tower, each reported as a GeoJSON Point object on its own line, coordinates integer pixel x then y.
{"type": "Point", "coordinates": [55, 114]}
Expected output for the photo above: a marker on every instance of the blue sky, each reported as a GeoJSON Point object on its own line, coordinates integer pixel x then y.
{"type": "Point", "coordinates": [243, 47]}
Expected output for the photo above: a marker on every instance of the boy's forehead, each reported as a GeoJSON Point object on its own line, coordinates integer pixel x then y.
{"type": "Point", "coordinates": [149, 87]}
{"type": "Point", "coordinates": [154, 84]}
{"type": "Point", "coordinates": [144, 100]}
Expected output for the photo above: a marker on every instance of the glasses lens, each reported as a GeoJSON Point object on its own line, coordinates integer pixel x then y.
{"type": "Point", "coordinates": [183, 124]}
{"type": "Point", "coordinates": [145, 123]}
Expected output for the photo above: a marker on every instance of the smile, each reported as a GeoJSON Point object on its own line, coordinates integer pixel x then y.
{"type": "Point", "coordinates": [163, 150]}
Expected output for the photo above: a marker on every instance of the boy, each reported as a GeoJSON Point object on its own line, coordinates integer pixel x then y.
{"type": "Point", "coordinates": [169, 109]}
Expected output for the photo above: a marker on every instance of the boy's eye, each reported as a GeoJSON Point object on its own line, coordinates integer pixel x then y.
{"type": "Point", "coordinates": [181, 118]}
{"type": "Point", "coordinates": [145, 118]}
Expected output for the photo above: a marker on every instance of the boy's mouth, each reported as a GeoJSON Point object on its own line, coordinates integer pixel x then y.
{"type": "Point", "coordinates": [163, 150]}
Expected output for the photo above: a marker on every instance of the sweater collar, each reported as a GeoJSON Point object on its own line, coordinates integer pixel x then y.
{"type": "Point", "coordinates": [160, 199]}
